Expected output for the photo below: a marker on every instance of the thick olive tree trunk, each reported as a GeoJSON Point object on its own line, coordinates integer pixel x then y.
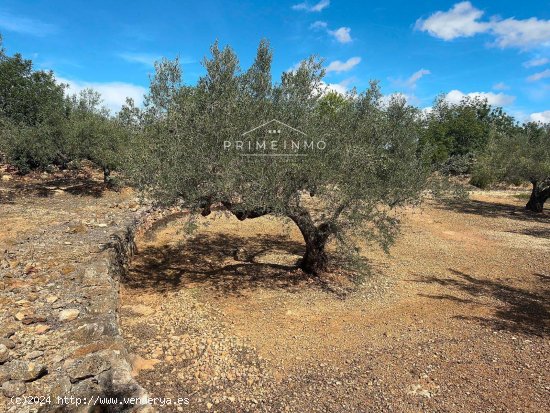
{"type": "Point", "coordinates": [315, 260]}
{"type": "Point", "coordinates": [538, 197]}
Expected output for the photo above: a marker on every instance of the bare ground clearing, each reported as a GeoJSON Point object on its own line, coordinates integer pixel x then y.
{"type": "Point", "coordinates": [456, 319]}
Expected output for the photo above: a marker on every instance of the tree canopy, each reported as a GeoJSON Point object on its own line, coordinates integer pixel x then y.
{"type": "Point", "coordinates": [370, 161]}
{"type": "Point", "coordinates": [457, 132]}
{"type": "Point", "coordinates": [40, 125]}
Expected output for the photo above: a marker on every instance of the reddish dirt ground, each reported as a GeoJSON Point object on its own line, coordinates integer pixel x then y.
{"type": "Point", "coordinates": [455, 319]}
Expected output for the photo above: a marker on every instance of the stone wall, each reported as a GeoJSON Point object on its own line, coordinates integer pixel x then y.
{"type": "Point", "coordinates": [73, 320]}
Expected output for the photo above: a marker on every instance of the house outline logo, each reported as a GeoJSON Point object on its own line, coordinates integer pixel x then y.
{"type": "Point", "coordinates": [277, 131]}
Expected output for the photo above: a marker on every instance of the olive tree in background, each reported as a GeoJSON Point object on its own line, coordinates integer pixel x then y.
{"type": "Point", "coordinates": [40, 126]}
{"type": "Point", "coordinates": [346, 192]}
{"type": "Point", "coordinates": [91, 133]}
{"type": "Point", "coordinates": [32, 112]}
{"type": "Point", "coordinates": [458, 132]}
{"type": "Point", "coordinates": [518, 157]}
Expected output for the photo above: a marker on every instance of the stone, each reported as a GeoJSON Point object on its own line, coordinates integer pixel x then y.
{"type": "Point", "coordinates": [31, 319]}
{"type": "Point", "coordinates": [51, 299]}
{"type": "Point", "coordinates": [4, 374]}
{"type": "Point", "coordinates": [69, 314]}
{"type": "Point", "coordinates": [8, 343]}
{"type": "Point", "coordinates": [7, 333]}
{"type": "Point", "coordinates": [87, 367]}
{"type": "Point", "coordinates": [139, 363]}
{"type": "Point", "coordinates": [35, 354]}
{"type": "Point", "coordinates": [30, 268]}
{"type": "Point", "coordinates": [41, 328]}
{"type": "Point", "coordinates": [20, 370]}
{"type": "Point", "coordinates": [61, 387]}
{"type": "Point", "coordinates": [4, 353]}
{"type": "Point", "coordinates": [85, 388]}
{"type": "Point", "coordinates": [19, 316]}
{"type": "Point", "coordinates": [13, 388]}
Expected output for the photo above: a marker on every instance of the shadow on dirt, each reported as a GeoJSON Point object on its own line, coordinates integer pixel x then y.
{"type": "Point", "coordinates": [517, 310]}
{"type": "Point", "coordinates": [78, 185]}
{"type": "Point", "coordinates": [534, 232]}
{"type": "Point", "coordinates": [494, 210]}
{"type": "Point", "coordinates": [208, 261]}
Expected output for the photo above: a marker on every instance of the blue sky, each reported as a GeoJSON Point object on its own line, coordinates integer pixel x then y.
{"type": "Point", "coordinates": [500, 50]}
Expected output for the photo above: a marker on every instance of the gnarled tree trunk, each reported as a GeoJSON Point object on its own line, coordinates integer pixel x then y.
{"type": "Point", "coordinates": [539, 195]}
{"type": "Point", "coordinates": [315, 260]}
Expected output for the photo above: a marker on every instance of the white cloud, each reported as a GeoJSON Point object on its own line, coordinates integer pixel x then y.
{"type": "Point", "coordinates": [501, 86]}
{"type": "Point", "coordinates": [460, 21]}
{"type": "Point", "coordinates": [521, 33]}
{"type": "Point", "coordinates": [143, 58]}
{"type": "Point", "coordinates": [337, 87]}
{"type": "Point", "coordinates": [536, 62]}
{"type": "Point", "coordinates": [495, 99]}
{"type": "Point", "coordinates": [341, 87]}
{"type": "Point", "coordinates": [463, 20]}
{"type": "Point", "coordinates": [415, 77]}
{"type": "Point", "coordinates": [342, 35]}
{"type": "Point", "coordinates": [149, 59]}
{"type": "Point", "coordinates": [410, 82]}
{"type": "Point", "coordinates": [538, 76]}
{"type": "Point", "coordinates": [408, 98]}
{"type": "Point", "coordinates": [323, 4]}
{"type": "Point", "coordinates": [114, 94]}
{"type": "Point", "coordinates": [338, 66]}
{"type": "Point", "coordinates": [427, 110]}
{"type": "Point", "coordinates": [543, 117]}
{"type": "Point", "coordinates": [25, 25]}
{"type": "Point", "coordinates": [318, 25]}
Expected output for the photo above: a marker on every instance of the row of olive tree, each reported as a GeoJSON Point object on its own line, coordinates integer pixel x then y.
{"type": "Point", "coordinates": [517, 157]}
{"type": "Point", "coordinates": [472, 137]}
{"type": "Point", "coordinates": [376, 155]}
{"type": "Point", "coordinates": [41, 126]}
{"type": "Point", "coordinates": [379, 155]}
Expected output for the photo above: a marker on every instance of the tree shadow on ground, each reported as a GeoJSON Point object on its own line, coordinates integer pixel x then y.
{"type": "Point", "coordinates": [517, 310]}
{"type": "Point", "coordinates": [494, 210]}
{"type": "Point", "coordinates": [208, 261]}
{"type": "Point", "coordinates": [534, 232]}
{"type": "Point", "coordinates": [76, 184]}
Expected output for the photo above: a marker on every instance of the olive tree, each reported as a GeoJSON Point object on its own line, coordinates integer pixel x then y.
{"type": "Point", "coordinates": [457, 132]}
{"type": "Point", "coordinates": [32, 113]}
{"type": "Point", "coordinates": [92, 134]}
{"type": "Point", "coordinates": [518, 157]}
{"type": "Point", "coordinates": [356, 161]}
